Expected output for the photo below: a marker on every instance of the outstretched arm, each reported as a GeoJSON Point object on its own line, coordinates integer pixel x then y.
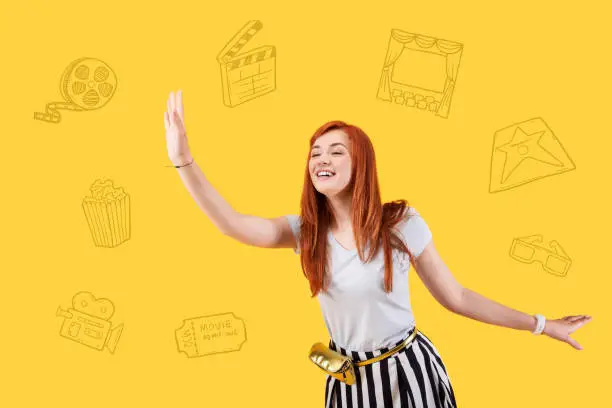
{"type": "Point", "coordinates": [248, 229]}
{"type": "Point", "coordinates": [465, 302]}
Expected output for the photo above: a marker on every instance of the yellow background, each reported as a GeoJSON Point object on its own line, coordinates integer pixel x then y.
{"type": "Point", "coordinates": [521, 60]}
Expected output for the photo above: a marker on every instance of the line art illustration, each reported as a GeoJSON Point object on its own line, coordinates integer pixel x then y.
{"type": "Point", "coordinates": [86, 84]}
{"type": "Point", "coordinates": [550, 256]}
{"type": "Point", "coordinates": [250, 74]}
{"type": "Point", "coordinates": [214, 334]}
{"type": "Point", "coordinates": [525, 152]}
{"type": "Point", "coordinates": [107, 211]}
{"type": "Point", "coordinates": [88, 322]}
{"type": "Point", "coordinates": [420, 72]}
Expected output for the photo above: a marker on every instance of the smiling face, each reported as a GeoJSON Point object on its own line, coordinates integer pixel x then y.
{"type": "Point", "coordinates": [330, 152]}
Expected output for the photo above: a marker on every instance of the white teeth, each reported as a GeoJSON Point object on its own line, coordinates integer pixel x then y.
{"type": "Point", "coordinates": [324, 173]}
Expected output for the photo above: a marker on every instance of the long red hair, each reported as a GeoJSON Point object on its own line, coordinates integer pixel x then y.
{"type": "Point", "coordinates": [372, 221]}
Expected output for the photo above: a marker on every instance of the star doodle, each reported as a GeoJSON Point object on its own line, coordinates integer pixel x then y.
{"type": "Point", "coordinates": [525, 146]}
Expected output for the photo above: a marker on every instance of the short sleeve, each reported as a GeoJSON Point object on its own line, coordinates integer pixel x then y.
{"type": "Point", "coordinates": [294, 223]}
{"type": "Point", "coordinates": [415, 231]}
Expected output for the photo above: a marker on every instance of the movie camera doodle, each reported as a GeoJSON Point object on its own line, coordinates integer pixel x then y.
{"type": "Point", "coordinates": [87, 322]}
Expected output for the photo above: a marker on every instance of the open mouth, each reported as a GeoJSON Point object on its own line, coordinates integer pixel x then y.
{"type": "Point", "coordinates": [325, 174]}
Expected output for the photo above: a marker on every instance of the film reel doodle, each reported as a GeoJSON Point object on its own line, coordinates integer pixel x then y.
{"type": "Point", "coordinates": [87, 322]}
{"type": "Point", "coordinates": [86, 84]}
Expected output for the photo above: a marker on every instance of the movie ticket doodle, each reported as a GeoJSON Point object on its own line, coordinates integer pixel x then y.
{"type": "Point", "coordinates": [248, 75]}
{"type": "Point", "coordinates": [214, 334]}
{"type": "Point", "coordinates": [87, 322]}
{"type": "Point", "coordinates": [420, 72]}
{"type": "Point", "coordinates": [525, 152]}
{"type": "Point", "coordinates": [551, 256]}
{"type": "Point", "coordinates": [107, 211]}
{"type": "Point", "coordinates": [86, 84]}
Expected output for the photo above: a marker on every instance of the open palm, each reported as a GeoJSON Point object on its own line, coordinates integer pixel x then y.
{"type": "Point", "coordinates": [176, 136]}
{"type": "Point", "coordinates": [561, 329]}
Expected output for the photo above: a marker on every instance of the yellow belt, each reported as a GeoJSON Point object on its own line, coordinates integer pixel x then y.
{"type": "Point", "coordinates": [388, 353]}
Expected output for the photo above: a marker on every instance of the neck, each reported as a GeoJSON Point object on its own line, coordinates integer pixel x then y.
{"type": "Point", "coordinates": [341, 211]}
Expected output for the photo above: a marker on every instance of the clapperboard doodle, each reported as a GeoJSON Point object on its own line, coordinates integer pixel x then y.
{"type": "Point", "coordinates": [86, 84]}
{"type": "Point", "coordinates": [420, 72]}
{"type": "Point", "coordinates": [107, 212]}
{"type": "Point", "coordinates": [214, 334]}
{"type": "Point", "coordinates": [552, 257]}
{"type": "Point", "coordinates": [88, 322]}
{"type": "Point", "coordinates": [524, 152]}
{"type": "Point", "coordinates": [248, 75]}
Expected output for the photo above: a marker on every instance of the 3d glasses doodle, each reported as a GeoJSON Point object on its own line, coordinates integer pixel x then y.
{"type": "Point", "coordinates": [87, 322]}
{"type": "Point", "coordinates": [531, 249]}
{"type": "Point", "coordinates": [525, 152]}
{"type": "Point", "coordinates": [86, 84]}
{"type": "Point", "coordinates": [248, 75]}
{"type": "Point", "coordinates": [107, 211]}
{"type": "Point", "coordinates": [200, 336]}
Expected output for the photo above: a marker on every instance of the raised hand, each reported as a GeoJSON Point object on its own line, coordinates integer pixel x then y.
{"type": "Point", "coordinates": [176, 135]}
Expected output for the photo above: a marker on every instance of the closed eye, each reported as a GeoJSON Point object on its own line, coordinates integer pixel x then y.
{"type": "Point", "coordinates": [318, 154]}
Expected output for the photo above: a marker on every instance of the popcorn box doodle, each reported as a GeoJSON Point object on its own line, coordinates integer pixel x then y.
{"type": "Point", "coordinates": [108, 214]}
{"type": "Point", "coordinates": [250, 74]}
{"type": "Point", "coordinates": [200, 336]}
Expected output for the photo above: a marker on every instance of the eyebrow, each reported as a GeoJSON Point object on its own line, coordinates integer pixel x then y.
{"type": "Point", "coordinates": [331, 145]}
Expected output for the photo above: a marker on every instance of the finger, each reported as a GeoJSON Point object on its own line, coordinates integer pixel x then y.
{"type": "Point", "coordinates": [179, 104]}
{"type": "Point", "coordinates": [572, 318]}
{"type": "Point", "coordinates": [574, 343]}
{"type": "Point", "coordinates": [172, 102]}
{"type": "Point", "coordinates": [168, 107]}
{"type": "Point", "coordinates": [576, 325]}
{"type": "Point", "coordinates": [179, 122]}
{"type": "Point", "coordinates": [166, 121]}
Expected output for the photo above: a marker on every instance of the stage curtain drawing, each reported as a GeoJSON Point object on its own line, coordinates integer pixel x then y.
{"type": "Point", "coordinates": [401, 40]}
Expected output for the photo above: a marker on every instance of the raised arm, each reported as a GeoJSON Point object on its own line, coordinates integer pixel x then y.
{"type": "Point", "coordinates": [248, 229]}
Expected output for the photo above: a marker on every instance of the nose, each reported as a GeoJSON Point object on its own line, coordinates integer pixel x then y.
{"type": "Point", "coordinates": [323, 159]}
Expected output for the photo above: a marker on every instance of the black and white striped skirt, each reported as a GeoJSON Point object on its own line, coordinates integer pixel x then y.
{"type": "Point", "coordinates": [414, 377]}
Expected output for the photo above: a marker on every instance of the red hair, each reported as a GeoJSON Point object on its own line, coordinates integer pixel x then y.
{"type": "Point", "coordinates": [372, 221]}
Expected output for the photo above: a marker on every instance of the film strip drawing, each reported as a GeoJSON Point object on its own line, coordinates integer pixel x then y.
{"type": "Point", "coordinates": [525, 152]}
{"type": "Point", "coordinates": [88, 322]}
{"type": "Point", "coordinates": [86, 84]}
{"type": "Point", "coordinates": [420, 72]}
{"type": "Point", "coordinates": [248, 75]}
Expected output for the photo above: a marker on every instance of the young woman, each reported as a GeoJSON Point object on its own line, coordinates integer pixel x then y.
{"type": "Point", "coordinates": [356, 253]}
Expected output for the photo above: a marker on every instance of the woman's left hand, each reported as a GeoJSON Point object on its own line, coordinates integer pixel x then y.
{"type": "Point", "coordinates": [561, 329]}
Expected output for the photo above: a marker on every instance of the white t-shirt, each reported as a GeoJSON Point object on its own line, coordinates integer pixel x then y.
{"type": "Point", "coordinates": [358, 313]}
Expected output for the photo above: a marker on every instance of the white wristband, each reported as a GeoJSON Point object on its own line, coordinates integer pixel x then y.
{"type": "Point", "coordinates": [541, 323]}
